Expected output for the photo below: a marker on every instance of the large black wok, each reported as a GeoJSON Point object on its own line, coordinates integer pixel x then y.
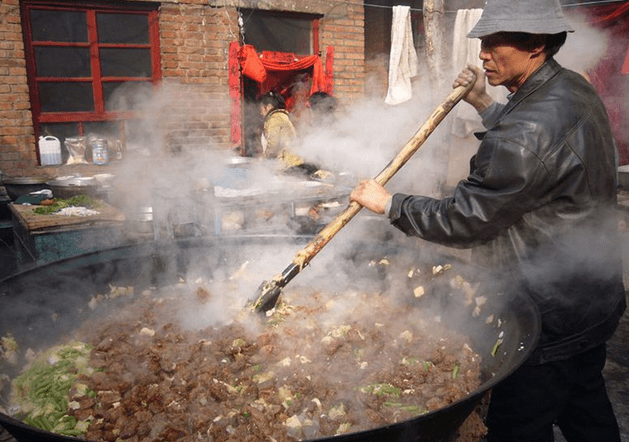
{"type": "Point", "coordinates": [28, 299]}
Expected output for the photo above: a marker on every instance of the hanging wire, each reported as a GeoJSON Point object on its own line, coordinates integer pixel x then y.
{"type": "Point", "coordinates": [242, 22]}
{"type": "Point", "coordinates": [387, 7]}
{"type": "Point", "coordinates": [590, 3]}
{"type": "Point", "coordinates": [241, 26]}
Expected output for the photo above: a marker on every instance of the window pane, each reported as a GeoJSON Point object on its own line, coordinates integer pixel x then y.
{"type": "Point", "coordinates": [59, 130]}
{"type": "Point", "coordinates": [62, 26]}
{"type": "Point", "coordinates": [63, 62]}
{"type": "Point", "coordinates": [123, 28]}
{"type": "Point", "coordinates": [271, 32]}
{"type": "Point", "coordinates": [127, 96]}
{"type": "Point", "coordinates": [102, 129]}
{"type": "Point", "coordinates": [66, 97]}
{"type": "Point", "coordinates": [116, 62]}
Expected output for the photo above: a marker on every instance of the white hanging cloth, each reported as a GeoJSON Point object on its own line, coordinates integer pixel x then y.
{"type": "Point", "coordinates": [465, 51]}
{"type": "Point", "coordinates": [403, 58]}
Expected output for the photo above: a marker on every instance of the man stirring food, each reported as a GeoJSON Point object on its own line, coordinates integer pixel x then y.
{"type": "Point", "coordinates": [538, 208]}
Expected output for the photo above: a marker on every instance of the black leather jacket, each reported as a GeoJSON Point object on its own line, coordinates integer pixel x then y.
{"type": "Point", "coordinates": [539, 208]}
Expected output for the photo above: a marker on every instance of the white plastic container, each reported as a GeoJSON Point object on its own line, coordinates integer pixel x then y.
{"type": "Point", "coordinates": [49, 151]}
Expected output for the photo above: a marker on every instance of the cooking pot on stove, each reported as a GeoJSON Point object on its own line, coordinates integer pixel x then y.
{"type": "Point", "coordinates": [73, 186]}
{"type": "Point", "coordinates": [29, 298]}
{"type": "Point", "coordinates": [16, 187]}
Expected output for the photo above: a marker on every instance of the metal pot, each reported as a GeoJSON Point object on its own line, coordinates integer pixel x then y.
{"type": "Point", "coordinates": [69, 187]}
{"type": "Point", "coordinates": [16, 187]}
{"type": "Point", "coordinates": [151, 264]}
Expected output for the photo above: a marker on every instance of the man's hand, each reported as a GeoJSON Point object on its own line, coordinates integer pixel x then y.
{"type": "Point", "coordinates": [371, 195]}
{"type": "Point", "coordinates": [478, 96]}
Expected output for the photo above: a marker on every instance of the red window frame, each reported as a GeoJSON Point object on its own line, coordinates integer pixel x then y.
{"type": "Point", "coordinates": [99, 114]}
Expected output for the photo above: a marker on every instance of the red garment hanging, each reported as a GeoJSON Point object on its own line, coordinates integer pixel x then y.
{"type": "Point", "coordinates": [251, 64]}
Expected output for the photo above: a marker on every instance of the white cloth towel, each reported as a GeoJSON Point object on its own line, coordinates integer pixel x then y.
{"type": "Point", "coordinates": [402, 59]}
{"type": "Point", "coordinates": [465, 51]}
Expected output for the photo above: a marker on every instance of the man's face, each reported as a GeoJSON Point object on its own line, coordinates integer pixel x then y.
{"type": "Point", "coordinates": [506, 62]}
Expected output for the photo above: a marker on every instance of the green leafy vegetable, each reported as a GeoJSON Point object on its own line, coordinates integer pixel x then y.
{"type": "Point", "coordinates": [381, 390]}
{"type": "Point", "coordinates": [494, 349]}
{"type": "Point", "coordinates": [42, 391]}
{"type": "Point", "coordinates": [75, 201]}
{"type": "Point", "coordinates": [455, 370]}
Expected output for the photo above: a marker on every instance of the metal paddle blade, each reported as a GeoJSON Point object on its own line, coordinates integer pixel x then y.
{"type": "Point", "coordinates": [269, 293]}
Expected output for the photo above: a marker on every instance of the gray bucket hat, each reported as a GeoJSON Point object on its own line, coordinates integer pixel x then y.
{"type": "Point", "coordinates": [530, 16]}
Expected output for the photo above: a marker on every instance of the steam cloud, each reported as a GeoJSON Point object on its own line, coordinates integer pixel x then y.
{"type": "Point", "coordinates": [363, 137]}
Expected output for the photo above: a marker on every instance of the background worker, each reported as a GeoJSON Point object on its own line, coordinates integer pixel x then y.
{"type": "Point", "coordinates": [538, 209]}
{"type": "Point", "coordinates": [278, 133]}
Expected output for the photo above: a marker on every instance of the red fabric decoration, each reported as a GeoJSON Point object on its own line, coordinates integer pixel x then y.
{"type": "Point", "coordinates": [329, 69]}
{"type": "Point", "coordinates": [279, 57]}
{"type": "Point", "coordinates": [318, 76]}
{"type": "Point", "coordinates": [609, 75]}
{"type": "Point", "coordinates": [251, 64]}
{"type": "Point", "coordinates": [612, 12]}
{"type": "Point", "coordinates": [235, 95]}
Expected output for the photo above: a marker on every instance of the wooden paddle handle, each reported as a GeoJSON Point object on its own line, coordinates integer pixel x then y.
{"type": "Point", "coordinates": [304, 256]}
{"type": "Point", "coordinates": [422, 134]}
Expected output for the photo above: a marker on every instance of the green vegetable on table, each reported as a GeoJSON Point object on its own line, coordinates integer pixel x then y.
{"type": "Point", "coordinates": [75, 201]}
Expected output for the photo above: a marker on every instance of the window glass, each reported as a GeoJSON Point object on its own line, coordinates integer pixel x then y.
{"type": "Point", "coordinates": [123, 28]}
{"type": "Point", "coordinates": [59, 26]}
{"type": "Point", "coordinates": [65, 39]}
{"type": "Point", "coordinates": [127, 96]}
{"type": "Point", "coordinates": [63, 62]}
{"type": "Point", "coordinates": [125, 62]}
{"type": "Point", "coordinates": [102, 129]}
{"type": "Point", "coordinates": [275, 32]}
{"type": "Point", "coordinates": [59, 130]}
{"type": "Point", "coordinates": [66, 97]}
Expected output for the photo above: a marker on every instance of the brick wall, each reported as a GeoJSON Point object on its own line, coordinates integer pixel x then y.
{"type": "Point", "coordinates": [194, 40]}
{"type": "Point", "coordinates": [194, 106]}
{"type": "Point", "coordinates": [17, 140]}
{"type": "Point", "coordinates": [343, 28]}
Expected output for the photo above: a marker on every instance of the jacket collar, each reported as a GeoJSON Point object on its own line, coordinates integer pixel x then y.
{"type": "Point", "coordinates": [541, 76]}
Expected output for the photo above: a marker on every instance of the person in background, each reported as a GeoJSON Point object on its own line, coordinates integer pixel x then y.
{"type": "Point", "coordinates": [538, 211]}
{"type": "Point", "coordinates": [278, 133]}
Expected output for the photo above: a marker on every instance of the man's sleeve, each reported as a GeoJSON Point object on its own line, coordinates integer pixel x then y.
{"type": "Point", "coordinates": [490, 115]}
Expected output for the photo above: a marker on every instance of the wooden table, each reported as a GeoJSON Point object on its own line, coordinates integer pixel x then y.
{"type": "Point", "coordinates": [44, 238]}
